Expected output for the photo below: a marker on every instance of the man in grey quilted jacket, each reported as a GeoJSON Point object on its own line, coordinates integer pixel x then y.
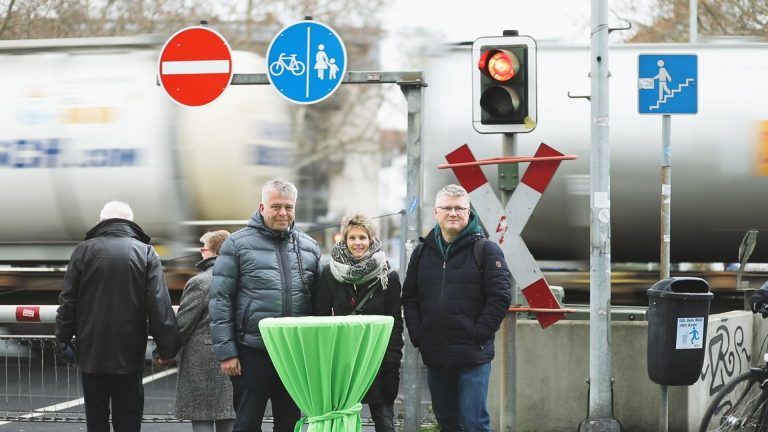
{"type": "Point", "coordinates": [266, 269]}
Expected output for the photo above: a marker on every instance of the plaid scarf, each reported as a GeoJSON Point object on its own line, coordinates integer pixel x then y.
{"type": "Point", "coordinates": [348, 269]}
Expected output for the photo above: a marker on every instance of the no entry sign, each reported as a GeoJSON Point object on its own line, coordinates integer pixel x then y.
{"type": "Point", "coordinates": [195, 66]}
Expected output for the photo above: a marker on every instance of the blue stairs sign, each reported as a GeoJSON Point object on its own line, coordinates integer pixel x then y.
{"type": "Point", "coordinates": [668, 84]}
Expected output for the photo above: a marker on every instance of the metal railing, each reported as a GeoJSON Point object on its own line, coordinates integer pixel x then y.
{"type": "Point", "coordinates": [38, 387]}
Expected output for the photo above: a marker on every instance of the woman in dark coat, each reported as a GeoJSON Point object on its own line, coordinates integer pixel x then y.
{"type": "Point", "coordinates": [359, 280]}
{"type": "Point", "coordinates": [203, 392]}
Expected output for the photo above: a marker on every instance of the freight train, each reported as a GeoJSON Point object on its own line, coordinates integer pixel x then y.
{"type": "Point", "coordinates": [84, 121]}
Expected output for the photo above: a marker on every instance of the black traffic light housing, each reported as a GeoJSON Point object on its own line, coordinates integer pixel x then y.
{"type": "Point", "coordinates": [504, 84]}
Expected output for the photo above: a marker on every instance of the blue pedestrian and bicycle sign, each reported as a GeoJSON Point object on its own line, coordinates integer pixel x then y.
{"type": "Point", "coordinates": [668, 84]}
{"type": "Point", "coordinates": [306, 62]}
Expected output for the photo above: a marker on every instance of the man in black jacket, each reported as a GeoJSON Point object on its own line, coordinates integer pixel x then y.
{"type": "Point", "coordinates": [113, 288]}
{"type": "Point", "coordinates": [453, 305]}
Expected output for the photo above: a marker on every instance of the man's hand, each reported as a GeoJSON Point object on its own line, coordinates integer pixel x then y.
{"type": "Point", "coordinates": [231, 367]}
{"type": "Point", "coordinates": [161, 362]}
{"type": "Point", "coordinates": [758, 301]}
{"type": "Point", "coordinates": [390, 382]}
{"type": "Point", "coordinates": [67, 352]}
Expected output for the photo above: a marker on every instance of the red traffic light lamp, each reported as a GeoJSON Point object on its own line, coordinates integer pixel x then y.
{"type": "Point", "coordinates": [501, 65]}
{"type": "Point", "coordinates": [504, 84]}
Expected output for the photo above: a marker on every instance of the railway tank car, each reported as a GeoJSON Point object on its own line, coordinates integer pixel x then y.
{"type": "Point", "coordinates": [719, 156]}
{"type": "Point", "coordinates": [83, 121]}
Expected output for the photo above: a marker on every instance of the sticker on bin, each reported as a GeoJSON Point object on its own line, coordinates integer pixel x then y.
{"type": "Point", "coordinates": [690, 333]}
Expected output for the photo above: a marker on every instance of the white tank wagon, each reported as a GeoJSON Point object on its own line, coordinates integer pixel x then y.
{"type": "Point", "coordinates": [719, 156]}
{"type": "Point", "coordinates": [83, 121]}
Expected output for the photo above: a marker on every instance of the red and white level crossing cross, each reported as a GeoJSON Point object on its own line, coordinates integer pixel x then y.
{"type": "Point", "coordinates": [195, 66]}
{"type": "Point", "coordinates": [504, 225]}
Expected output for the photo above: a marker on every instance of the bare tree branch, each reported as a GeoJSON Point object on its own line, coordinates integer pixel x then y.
{"type": "Point", "coordinates": [669, 23]}
{"type": "Point", "coordinates": [7, 18]}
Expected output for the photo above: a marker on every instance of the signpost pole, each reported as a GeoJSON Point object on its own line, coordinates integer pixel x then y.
{"type": "Point", "coordinates": [414, 95]}
{"type": "Point", "coordinates": [666, 194]}
{"type": "Point", "coordinates": [508, 179]}
{"type": "Point", "coordinates": [600, 417]}
{"type": "Point", "coordinates": [666, 206]}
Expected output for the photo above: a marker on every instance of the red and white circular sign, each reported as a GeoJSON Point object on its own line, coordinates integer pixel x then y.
{"type": "Point", "coordinates": [195, 66]}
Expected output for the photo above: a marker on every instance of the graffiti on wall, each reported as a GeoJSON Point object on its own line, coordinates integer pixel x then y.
{"type": "Point", "coordinates": [727, 355]}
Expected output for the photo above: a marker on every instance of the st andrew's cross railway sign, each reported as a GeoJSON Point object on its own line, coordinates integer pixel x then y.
{"type": "Point", "coordinates": [195, 66]}
{"type": "Point", "coordinates": [306, 62]}
{"type": "Point", "coordinates": [504, 224]}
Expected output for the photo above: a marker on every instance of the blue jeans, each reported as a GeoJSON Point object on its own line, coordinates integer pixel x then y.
{"type": "Point", "coordinates": [459, 398]}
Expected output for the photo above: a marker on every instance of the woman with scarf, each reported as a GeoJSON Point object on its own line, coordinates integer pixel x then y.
{"type": "Point", "coordinates": [359, 281]}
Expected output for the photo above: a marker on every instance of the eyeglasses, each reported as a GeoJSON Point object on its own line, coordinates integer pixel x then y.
{"type": "Point", "coordinates": [204, 249]}
{"type": "Point", "coordinates": [449, 210]}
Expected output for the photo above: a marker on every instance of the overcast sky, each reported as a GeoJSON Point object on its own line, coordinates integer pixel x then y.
{"type": "Point", "coordinates": [469, 20]}
{"type": "Point", "coordinates": [564, 20]}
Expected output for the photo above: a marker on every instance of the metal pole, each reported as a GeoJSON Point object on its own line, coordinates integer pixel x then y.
{"type": "Point", "coordinates": [414, 95]}
{"type": "Point", "coordinates": [509, 177]}
{"type": "Point", "coordinates": [600, 398]}
{"type": "Point", "coordinates": [693, 21]}
{"type": "Point", "coordinates": [666, 207]}
{"type": "Point", "coordinates": [666, 193]}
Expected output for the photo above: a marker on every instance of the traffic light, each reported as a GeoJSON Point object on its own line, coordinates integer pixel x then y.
{"type": "Point", "coordinates": [504, 84]}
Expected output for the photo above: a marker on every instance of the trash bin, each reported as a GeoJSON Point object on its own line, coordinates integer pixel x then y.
{"type": "Point", "coordinates": [678, 312]}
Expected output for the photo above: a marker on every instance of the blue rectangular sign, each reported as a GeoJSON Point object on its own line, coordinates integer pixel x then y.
{"type": "Point", "coordinates": [668, 84]}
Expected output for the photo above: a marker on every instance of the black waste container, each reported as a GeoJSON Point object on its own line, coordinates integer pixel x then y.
{"type": "Point", "coordinates": [678, 311]}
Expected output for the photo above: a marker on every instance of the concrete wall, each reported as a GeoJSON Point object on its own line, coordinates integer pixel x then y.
{"type": "Point", "coordinates": [553, 367]}
{"type": "Point", "coordinates": [730, 351]}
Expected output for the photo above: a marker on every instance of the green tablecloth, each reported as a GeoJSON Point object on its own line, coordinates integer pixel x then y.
{"type": "Point", "coordinates": [327, 364]}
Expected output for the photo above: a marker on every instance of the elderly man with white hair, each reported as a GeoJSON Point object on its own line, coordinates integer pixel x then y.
{"type": "Point", "coordinates": [113, 288]}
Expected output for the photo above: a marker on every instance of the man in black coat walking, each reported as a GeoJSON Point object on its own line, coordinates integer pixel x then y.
{"type": "Point", "coordinates": [455, 295]}
{"type": "Point", "coordinates": [114, 294]}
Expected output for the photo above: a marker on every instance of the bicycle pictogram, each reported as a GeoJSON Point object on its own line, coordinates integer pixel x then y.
{"type": "Point", "coordinates": [287, 62]}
